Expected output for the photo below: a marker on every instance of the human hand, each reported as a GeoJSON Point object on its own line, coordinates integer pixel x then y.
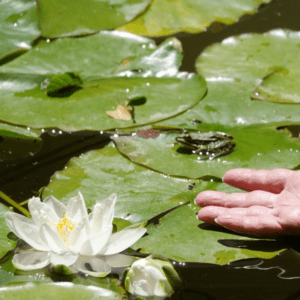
{"type": "Point", "coordinates": [271, 208]}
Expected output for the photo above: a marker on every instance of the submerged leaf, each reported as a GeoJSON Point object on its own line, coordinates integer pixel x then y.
{"type": "Point", "coordinates": [62, 83]}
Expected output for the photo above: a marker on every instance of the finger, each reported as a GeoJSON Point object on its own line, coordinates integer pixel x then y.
{"type": "Point", "coordinates": [209, 214]}
{"type": "Point", "coordinates": [266, 180]}
{"type": "Point", "coordinates": [261, 198]}
{"type": "Point", "coordinates": [261, 225]}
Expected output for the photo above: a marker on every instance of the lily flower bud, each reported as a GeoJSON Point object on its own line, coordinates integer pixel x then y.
{"type": "Point", "coordinates": [151, 276]}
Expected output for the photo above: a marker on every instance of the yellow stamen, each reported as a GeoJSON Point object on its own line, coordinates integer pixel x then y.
{"type": "Point", "coordinates": [64, 228]}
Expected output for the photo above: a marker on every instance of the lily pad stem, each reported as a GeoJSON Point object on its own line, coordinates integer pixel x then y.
{"type": "Point", "coordinates": [17, 206]}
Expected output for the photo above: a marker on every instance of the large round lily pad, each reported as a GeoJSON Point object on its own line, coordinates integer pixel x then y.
{"type": "Point", "coordinates": [242, 70]}
{"type": "Point", "coordinates": [180, 236]}
{"type": "Point", "coordinates": [18, 23]}
{"type": "Point", "coordinates": [78, 17]}
{"type": "Point", "coordinates": [106, 54]}
{"type": "Point", "coordinates": [257, 147]}
{"type": "Point", "coordinates": [165, 17]}
{"type": "Point", "coordinates": [97, 174]}
{"type": "Point", "coordinates": [100, 62]}
{"type": "Point", "coordinates": [26, 104]}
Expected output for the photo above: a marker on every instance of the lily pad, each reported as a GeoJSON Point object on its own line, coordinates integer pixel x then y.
{"type": "Point", "coordinates": [49, 291]}
{"type": "Point", "coordinates": [87, 107]}
{"type": "Point", "coordinates": [257, 147]}
{"type": "Point", "coordinates": [5, 243]}
{"type": "Point", "coordinates": [98, 174]}
{"type": "Point", "coordinates": [11, 131]}
{"type": "Point", "coordinates": [19, 26]}
{"type": "Point", "coordinates": [152, 75]}
{"type": "Point", "coordinates": [181, 236]}
{"type": "Point", "coordinates": [250, 66]}
{"type": "Point", "coordinates": [165, 17]}
{"type": "Point", "coordinates": [79, 17]}
{"type": "Point", "coordinates": [107, 54]}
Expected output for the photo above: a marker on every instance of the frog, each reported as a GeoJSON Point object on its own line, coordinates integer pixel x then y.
{"type": "Point", "coordinates": [208, 144]}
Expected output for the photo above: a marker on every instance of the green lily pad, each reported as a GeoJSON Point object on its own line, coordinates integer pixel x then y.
{"type": "Point", "coordinates": [79, 17]}
{"type": "Point", "coordinates": [18, 19]}
{"type": "Point", "coordinates": [279, 87]}
{"type": "Point", "coordinates": [98, 174]}
{"type": "Point", "coordinates": [87, 108]}
{"type": "Point", "coordinates": [107, 54]}
{"type": "Point", "coordinates": [11, 131]}
{"type": "Point", "coordinates": [257, 147]}
{"type": "Point", "coordinates": [49, 291]}
{"type": "Point", "coordinates": [151, 74]}
{"type": "Point", "coordinates": [250, 66]}
{"type": "Point", "coordinates": [5, 243]}
{"type": "Point", "coordinates": [181, 236]}
{"type": "Point", "coordinates": [165, 17]}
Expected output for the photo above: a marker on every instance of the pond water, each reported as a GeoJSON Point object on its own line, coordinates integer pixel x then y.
{"type": "Point", "coordinates": [277, 278]}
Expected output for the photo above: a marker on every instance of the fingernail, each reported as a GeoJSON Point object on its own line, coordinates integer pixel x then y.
{"type": "Point", "coordinates": [216, 221]}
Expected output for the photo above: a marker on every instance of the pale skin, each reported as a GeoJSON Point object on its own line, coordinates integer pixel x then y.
{"type": "Point", "coordinates": [272, 206]}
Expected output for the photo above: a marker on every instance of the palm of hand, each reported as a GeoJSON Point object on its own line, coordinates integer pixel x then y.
{"type": "Point", "coordinates": [271, 208]}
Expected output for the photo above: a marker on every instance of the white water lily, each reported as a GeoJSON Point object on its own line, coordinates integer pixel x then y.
{"type": "Point", "coordinates": [151, 276]}
{"type": "Point", "coordinates": [68, 235]}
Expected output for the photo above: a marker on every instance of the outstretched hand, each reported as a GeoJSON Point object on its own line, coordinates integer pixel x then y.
{"type": "Point", "coordinates": [271, 207]}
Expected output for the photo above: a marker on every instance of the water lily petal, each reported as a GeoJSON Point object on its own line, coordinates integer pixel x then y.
{"type": "Point", "coordinates": [76, 209]}
{"type": "Point", "coordinates": [92, 265]}
{"type": "Point", "coordinates": [103, 214]}
{"type": "Point", "coordinates": [121, 240]}
{"type": "Point", "coordinates": [66, 258]}
{"type": "Point", "coordinates": [142, 288]}
{"type": "Point", "coordinates": [9, 216]}
{"type": "Point", "coordinates": [41, 212]}
{"type": "Point", "coordinates": [56, 205]}
{"type": "Point", "coordinates": [79, 235]}
{"type": "Point", "coordinates": [26, 230]}
{"type": "Point", "coordinates": [52, 238]}
{"type": "Point", "coordinates": [31, 260]}
{"type": "Point", "coordinates": [94, 244]}
{"type": "Point", "coordinates": [119, 260]}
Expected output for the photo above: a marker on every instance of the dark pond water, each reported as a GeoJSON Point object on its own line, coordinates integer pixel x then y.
{"type": "Point", "coordinates": [278, 278]}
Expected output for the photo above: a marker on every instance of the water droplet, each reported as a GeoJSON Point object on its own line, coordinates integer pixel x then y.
{"type": "Point", "coordinates": [60, 132]}
{"type": "Point", "coordinates": [127, 90]}
{"type": "Point", "coordinates": [42, 130]}
{"type": "Point", "coordinates": [53, 131]}
{"type": "Point", "coordinates": [101, 132]}
{"type": "Point", "coordinates": [147, 83]}
{"type": "Point", "coordinates": [28, 128]}
{"type": "Point", "coordinates": [211, 180]}
{"type": "Point", "coordinates": [66, 167]}
{"type": "Point", "coordinates": [48, 41]}
{"type": "Point", "coordinates": [15, 24]}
